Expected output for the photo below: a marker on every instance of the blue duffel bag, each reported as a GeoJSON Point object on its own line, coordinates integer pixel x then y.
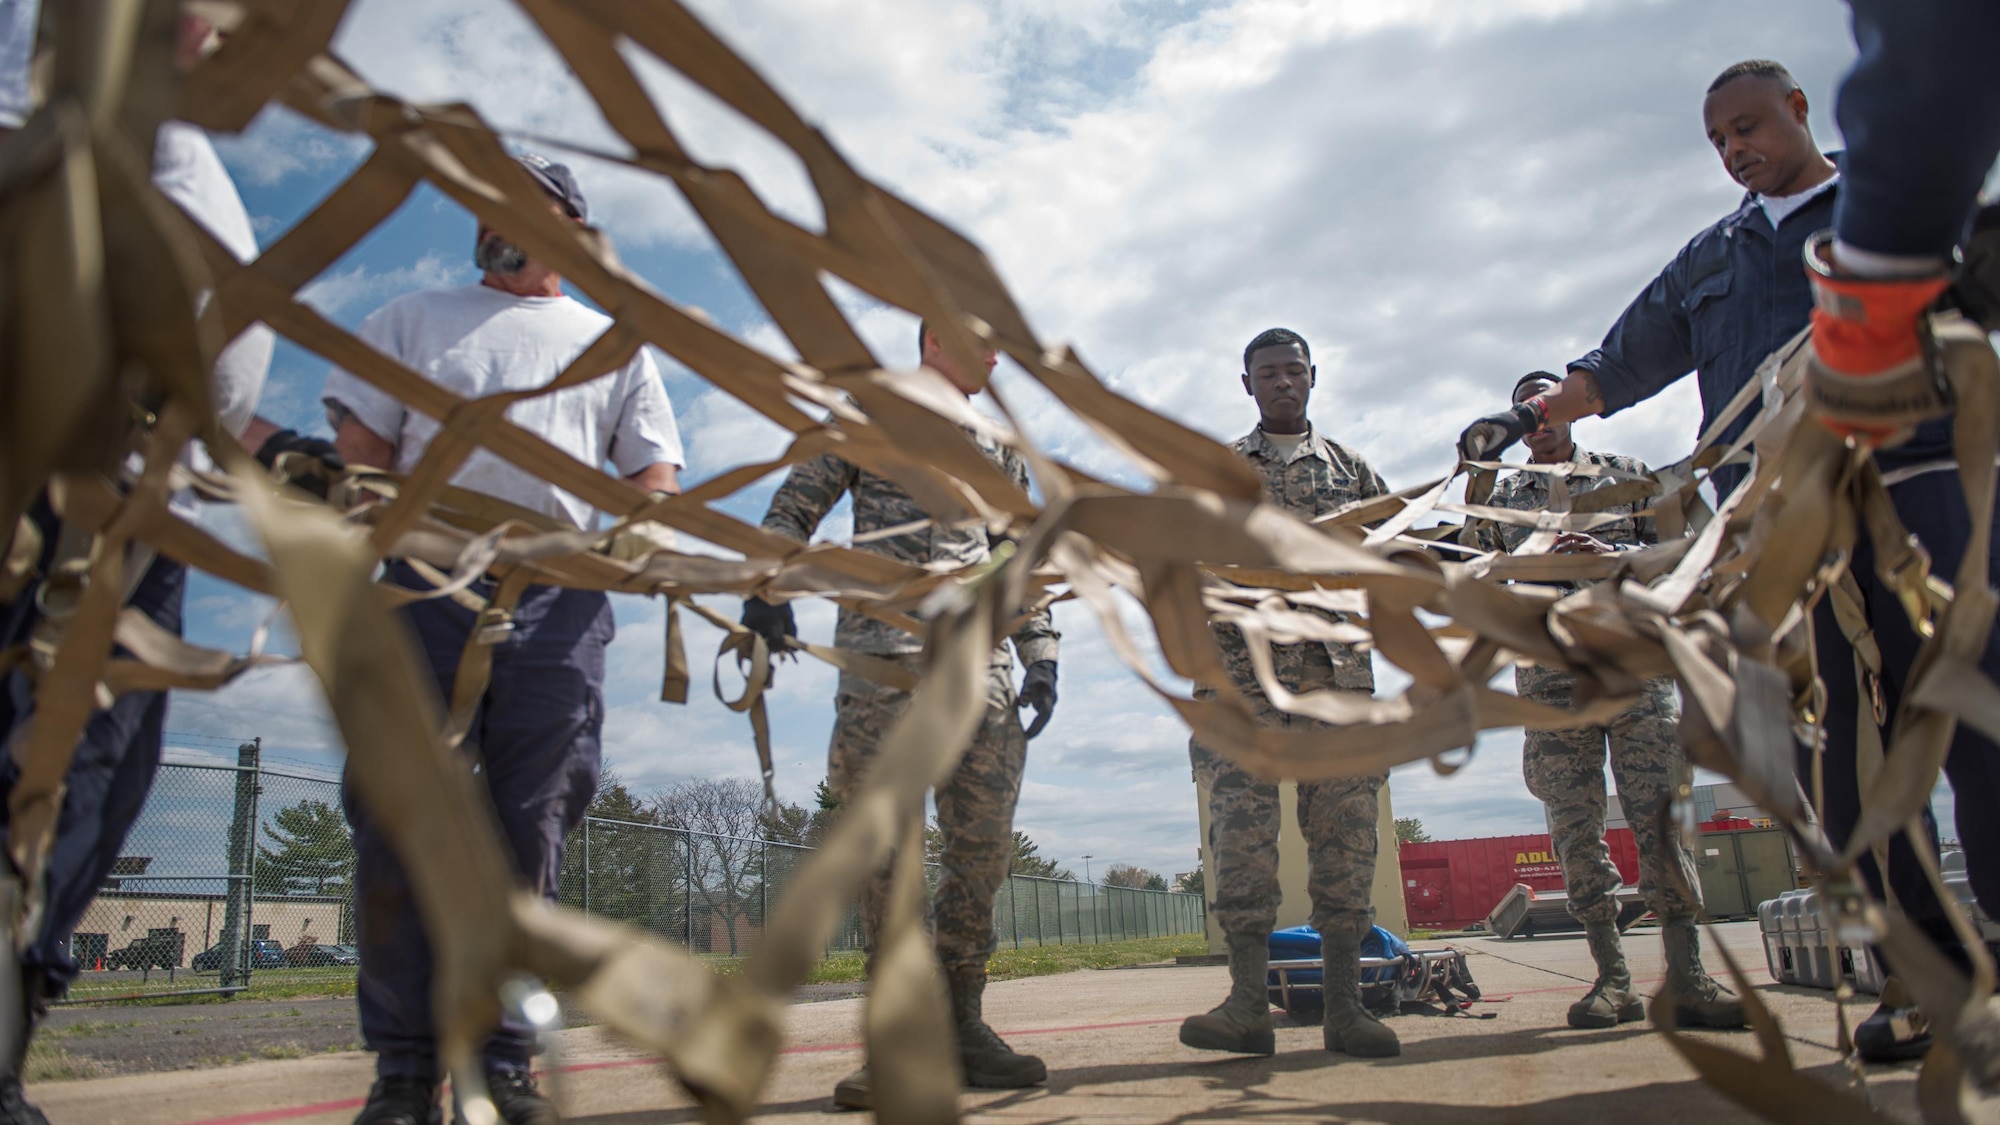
{"type": "Point", "coordinates": [1301, 943]}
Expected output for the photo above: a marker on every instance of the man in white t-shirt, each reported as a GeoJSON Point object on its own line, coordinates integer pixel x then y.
{"type": "Point", "coordinates": [118, 755]}
{"type": "Point", "coordinates": [536, 735]}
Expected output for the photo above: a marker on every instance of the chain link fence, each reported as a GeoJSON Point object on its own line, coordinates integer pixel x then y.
{"type": "Point", "coordinates": [712, 893]}
{"type": "Point", "coordinates": [240, 872]}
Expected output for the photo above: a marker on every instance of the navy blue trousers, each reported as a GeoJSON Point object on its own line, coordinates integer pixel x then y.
{"type": "Point", "coordinates": [1933, 507]}
{"type": "Point", "coordinates": [108, 778]}
{"type": "Point", "coordinates": [1921, 116]}
{"type": "Point", "coordinates": [535, 743]}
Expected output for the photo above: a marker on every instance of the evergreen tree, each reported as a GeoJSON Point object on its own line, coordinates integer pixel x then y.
{"type": "Point", "coordinates": [313, 852]}
{"type": "Point", "coordinates": [637, 871]}
{"type": "Point", "coordinates": [1028, 860]}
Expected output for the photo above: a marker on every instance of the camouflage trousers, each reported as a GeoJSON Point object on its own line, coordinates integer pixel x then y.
{"type": "Point", "coordinates": [1337, 818]}
{"type": "Point", "coordinates": [975, 811]}
{"type": "Point", "coordinates": [1565, 771]}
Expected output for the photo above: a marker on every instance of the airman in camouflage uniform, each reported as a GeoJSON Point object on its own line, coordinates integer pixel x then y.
{"type": "Point", "coordinates": [1308, 474]}
{"type": "Point", "coordinates": [975, 807]}
{"type": "Point", "coordinates": [1565, 768]}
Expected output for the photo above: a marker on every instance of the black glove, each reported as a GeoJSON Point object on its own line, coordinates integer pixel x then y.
{"type": "Point", "coordinates": [1490, 436]}
{"type": "Point", "coordinates": [1038, 690]}
{"type": "Point", "coordinates": [312, 478]}
{"type": "Point", "coordinates": [774, 623]}
{"type": "Point", "coordinates": [1975, 290]}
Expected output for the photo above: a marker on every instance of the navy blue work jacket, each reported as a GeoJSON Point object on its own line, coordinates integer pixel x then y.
{"type": "Point", "coordinates": [1731, 297]}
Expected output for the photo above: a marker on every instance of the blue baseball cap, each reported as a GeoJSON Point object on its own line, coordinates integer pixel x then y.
{"type": "Point", "coordinates": [558, 181]}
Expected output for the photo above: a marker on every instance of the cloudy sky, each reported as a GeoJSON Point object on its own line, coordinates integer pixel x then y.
{"type": "Point", "coordinates": [1439, 194]}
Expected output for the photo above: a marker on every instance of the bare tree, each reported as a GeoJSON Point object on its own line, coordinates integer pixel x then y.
{"type": "Point", "coordinates": [1138, 878]}
{"type": "Point", "coordinates": [727, 853]}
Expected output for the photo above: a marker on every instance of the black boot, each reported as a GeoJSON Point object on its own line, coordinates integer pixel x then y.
{"type": "Point", "coordinates": [519, 1101]}
{"type": "Point", "coordinates": [854, 1092]}
{"type": "Point", "coordinates": [1892, 1034]}
{"type": "Point", "coordinates": [400, 1099]}
{"type": "Point", "coordinates": [15, 1109]}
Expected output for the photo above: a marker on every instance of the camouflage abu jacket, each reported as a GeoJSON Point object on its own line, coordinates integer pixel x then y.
{"type": "Point", "coordinates": [813, 487]}
{"type": "Point", "coordinates": [1319, 477]}
{"type": "Point", "coordinates": [1529, 492]}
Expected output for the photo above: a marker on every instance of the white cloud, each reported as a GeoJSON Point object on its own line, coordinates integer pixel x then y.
{"type": "Point", "coordinates": [360, 289]}
{"type": "Point", "coordinates": [280, 144]}
{"type": "Point", "coordinates": [284, 705]}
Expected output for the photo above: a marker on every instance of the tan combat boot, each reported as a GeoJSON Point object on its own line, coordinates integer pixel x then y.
{"type": "Point", "coordinates": [985, 1059]}
{"type": "Point", "coordinates": [1242, 1023]}
{"type": "Point", "coordinates": [1349, 1028]}
{"type": "Point", "coordinates": [1611, 1000]}
{"type": "Point", "coordinates": [1698, 1000]}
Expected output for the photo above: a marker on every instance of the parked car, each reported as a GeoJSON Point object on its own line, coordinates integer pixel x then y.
{"type": "Point", "coordinates": [265, 953]}
{"type": "Point", "coordinates": [322, 956]}
{"type": "Point", "coordinates": [159, 949]}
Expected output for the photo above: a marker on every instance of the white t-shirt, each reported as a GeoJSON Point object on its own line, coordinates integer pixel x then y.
{"type": "Point", "coordinates": [187, 171]}
{"type": "Point", "coordinates": [1778, 208]}
{"type": "Point", "coordinates": [1285, 444]}
{"type": "Point", "coordinates": [479, 341]}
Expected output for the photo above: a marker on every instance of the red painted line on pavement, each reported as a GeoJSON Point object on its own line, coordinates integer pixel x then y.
{"type": "Point", "coordinates": [1564, 988]}
{"type": "Point", "coordinates": [261, 1117]}
{"type": "Point", "coordinates": [288, 1113]}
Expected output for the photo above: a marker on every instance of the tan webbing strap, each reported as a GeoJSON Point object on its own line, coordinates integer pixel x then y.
{"type": "Point", "coordinates": [23, 555]}
{"type": "Point", "coordinates": [674, 682]}
{"type": "Point", "coordinates": [1852, 614]}
{"type": "Point", "coordinates": [475, 660]}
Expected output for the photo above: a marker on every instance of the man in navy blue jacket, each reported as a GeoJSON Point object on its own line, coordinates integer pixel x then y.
{"type": "Point", "coordinates": [1733, 295]}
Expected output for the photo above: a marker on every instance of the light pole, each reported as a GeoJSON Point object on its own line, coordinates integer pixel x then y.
{"type": "Point", "coordinates": [1094, 938]}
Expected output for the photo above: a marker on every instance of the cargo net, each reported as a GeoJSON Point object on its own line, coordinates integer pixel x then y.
{"type": "Point", "coordinates": [107, 368]}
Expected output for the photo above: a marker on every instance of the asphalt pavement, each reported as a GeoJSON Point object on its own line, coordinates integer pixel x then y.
{"type": "Point", "coordinates": [1109, 1040]}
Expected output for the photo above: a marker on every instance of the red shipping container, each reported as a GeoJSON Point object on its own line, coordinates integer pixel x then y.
{"type": "Point", "coordinates": [1450, 884]}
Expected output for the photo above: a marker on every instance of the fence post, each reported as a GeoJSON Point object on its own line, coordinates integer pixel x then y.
{"type": "Point", "coordinates": [1040, 937]}
{"type": "Point", "coordinates": [236, 908]}
{"type": "Point", "coordinates": [687, 849]}
{"type": "Point", "coordinates": [586, 865]}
